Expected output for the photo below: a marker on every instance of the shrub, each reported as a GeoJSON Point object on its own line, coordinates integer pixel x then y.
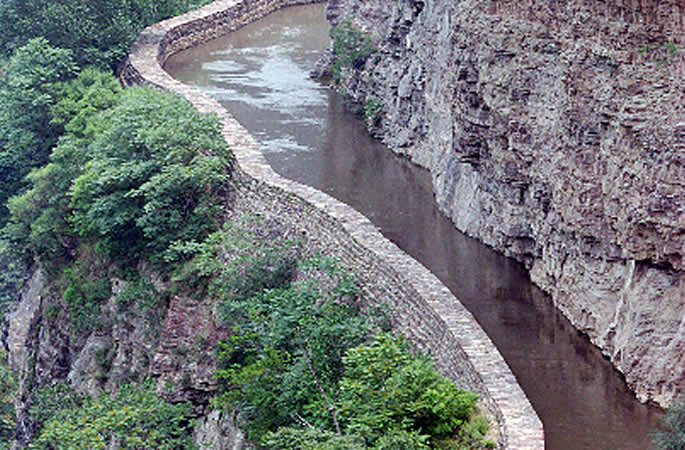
{"type": "Point", "coordinates": [673, 435]}
{"type": "Point", "coordinates": [8, 387]}
{"type": "Point", "coordinates": [159, 173]}
{"type": "Point", "coordinates": [372, 111]}
{"type": "Point", "coordinates": [100, 32]}
{"type": "Point", "coordinates": [351, 47]}
{"type": "Point", "coordinates": [134, 417]}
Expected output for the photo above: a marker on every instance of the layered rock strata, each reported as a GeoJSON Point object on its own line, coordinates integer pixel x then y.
{"type": "Point", "coordinates": [180, 347]}
{"type": "Point", "coordinates": [555, 133]}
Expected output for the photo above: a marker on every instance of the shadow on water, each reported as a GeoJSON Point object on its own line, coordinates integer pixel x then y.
{"type": "Point", "coordinates": [260, 73]}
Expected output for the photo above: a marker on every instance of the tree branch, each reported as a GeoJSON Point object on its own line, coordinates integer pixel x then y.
{"type": "Point", "coordinates": [331, 409]}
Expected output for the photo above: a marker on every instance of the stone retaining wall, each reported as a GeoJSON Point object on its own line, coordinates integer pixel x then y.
{"type": "Point", "coordinates": [424, 309]}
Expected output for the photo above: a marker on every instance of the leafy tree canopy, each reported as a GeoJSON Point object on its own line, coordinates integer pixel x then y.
{"type": "Point", "coordinates": [302, 372]}
{"type": "Point", "coordinates": [134, 417]}
{"type": "Point", "coordinates": [39, 217]}
{"type": "Point", "coordinates": [99, 32]}
{"type": "Point", "coordinates": [31, 86]}
{"type": "Point", "coordinates": [137, 170]}
{"type": "Point", "coordinates": [158, 172]}
{"type": "Point", "coordinates": [672, 437]}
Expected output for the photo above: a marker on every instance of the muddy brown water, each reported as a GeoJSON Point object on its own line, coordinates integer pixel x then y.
{"type": "Point", "coordinates": [260, 74]}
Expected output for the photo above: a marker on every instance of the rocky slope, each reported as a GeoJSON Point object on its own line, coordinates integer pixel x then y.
{"type": "Point", "coordinates": [554, 132]}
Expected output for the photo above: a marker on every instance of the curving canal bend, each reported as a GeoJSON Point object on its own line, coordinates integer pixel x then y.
{"type": "Point", "coordinates": [260, 74]}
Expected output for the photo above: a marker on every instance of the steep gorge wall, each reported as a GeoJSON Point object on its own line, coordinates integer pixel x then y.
{"type": "Point", "coordinates": [423, 309]}
{"type": "Point", "coordinates": [554, 132]}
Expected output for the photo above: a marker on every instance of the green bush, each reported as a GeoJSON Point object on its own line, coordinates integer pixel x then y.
{"type": "Point", "coordinates": [158, 174]}
{"type": "Point", "coordinates": [134, 417]}
{"type": "Point", "coordinates": [351, 47]}
{"type": "Point", "coordinates": [8, 387]}
{"type": "Point", "coordinates": [99, 32]}
{"type": "Point", "coordinates": [372, 111]}
{"type": "Point", "coordinates": [673, 435]}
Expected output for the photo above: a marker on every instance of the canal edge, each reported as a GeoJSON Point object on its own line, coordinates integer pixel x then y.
{"type": "Point", "coordinates": [521, 428]}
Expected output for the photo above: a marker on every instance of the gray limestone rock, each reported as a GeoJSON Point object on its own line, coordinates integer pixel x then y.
{"type": "Point", "coordinates": [555, 133]}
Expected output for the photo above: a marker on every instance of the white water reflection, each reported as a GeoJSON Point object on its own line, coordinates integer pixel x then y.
{"type": "Point", "coordinates": [279, 90]}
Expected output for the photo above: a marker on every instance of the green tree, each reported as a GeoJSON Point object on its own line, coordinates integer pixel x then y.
{"type": "Point", "coordinates": [99, 32]}
{"type": "Point", "coordinates": [8, 388]}
{"type": "Point", "coordinates": [39, 217]}
{"type": "Point", "coordinates": [31, 86]}
{"type": "Point", "coordinates": [387, 388]}
{"type": "Point", "coordinates": [673, 436]}
{"type": "Point", "coordinates": [285, 357]}
{"type": "Point", "coordinates": [303, 375]}
{"type": "Point", "coordinates": [134, 417]}
{"type": "Point", "coordinates": [159, 173]}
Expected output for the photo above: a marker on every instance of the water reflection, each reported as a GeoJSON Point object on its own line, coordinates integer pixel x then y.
{"type": "Point", "coordinates": [260, 74]}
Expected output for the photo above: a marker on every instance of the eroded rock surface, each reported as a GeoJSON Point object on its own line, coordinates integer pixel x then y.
{"type": "Point", "coordinates": [554, 132]}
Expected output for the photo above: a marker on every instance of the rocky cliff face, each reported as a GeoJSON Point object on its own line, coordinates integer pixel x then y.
{"type": "Point", "coordinates": [172, 340]}
{"type": "Point", "coordinates": [554, 132]}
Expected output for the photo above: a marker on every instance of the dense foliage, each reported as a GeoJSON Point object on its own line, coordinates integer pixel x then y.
{"type": "Point", "coordinates": [99, 32]}
{"type": "Point", "coordinates": [134, 417]}
{"type": "Point", "coordinates": [157, 173]}
{"type": "Point", "coordinates": [351, 47]}
{"type": "Point", "coordinates": [673, 435]}
{"type": "Point", "coordinates": [286, 352]}
{"type": "Point", "coordinates": [136, 171]}
{"type": "Point", "coordinates": [45, 43]}
{"type": "Point", "coordinates": [8, 388]}
{"type": "Point", "coordinates": [302, 372]}
{"type": "Point", "coordinates": [96, 179]}
{"type": "Point", "coordinates": [33, 83]}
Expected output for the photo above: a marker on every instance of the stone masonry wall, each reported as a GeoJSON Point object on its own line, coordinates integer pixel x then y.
{"type": "Point", "coordinates": [424, 310]}
{"type": "Point", "coordinates": [554, 132]}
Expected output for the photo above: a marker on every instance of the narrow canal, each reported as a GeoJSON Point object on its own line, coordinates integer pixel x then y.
{"type": "Point", "coordinates": [260, 74]}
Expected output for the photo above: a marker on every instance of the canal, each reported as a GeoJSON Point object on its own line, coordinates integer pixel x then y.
{"type": "Point", "coordinates": [261, 75]}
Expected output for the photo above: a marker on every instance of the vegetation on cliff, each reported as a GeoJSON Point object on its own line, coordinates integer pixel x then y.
{"type": "Point", "coordinates": [672, 437]}
{"type": "Point", "coordinates": [134, 417]}
{"type": "Point", "coordinates": [44, 44]}
{"type": "Point", "coordinates": [100, 32]}
{"type": "Point", "coordinates": [8, 387]}
{"type": "Point", "coordinates": [102, 186]}
{"type": "Point", "coordinates": [351, 47]}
